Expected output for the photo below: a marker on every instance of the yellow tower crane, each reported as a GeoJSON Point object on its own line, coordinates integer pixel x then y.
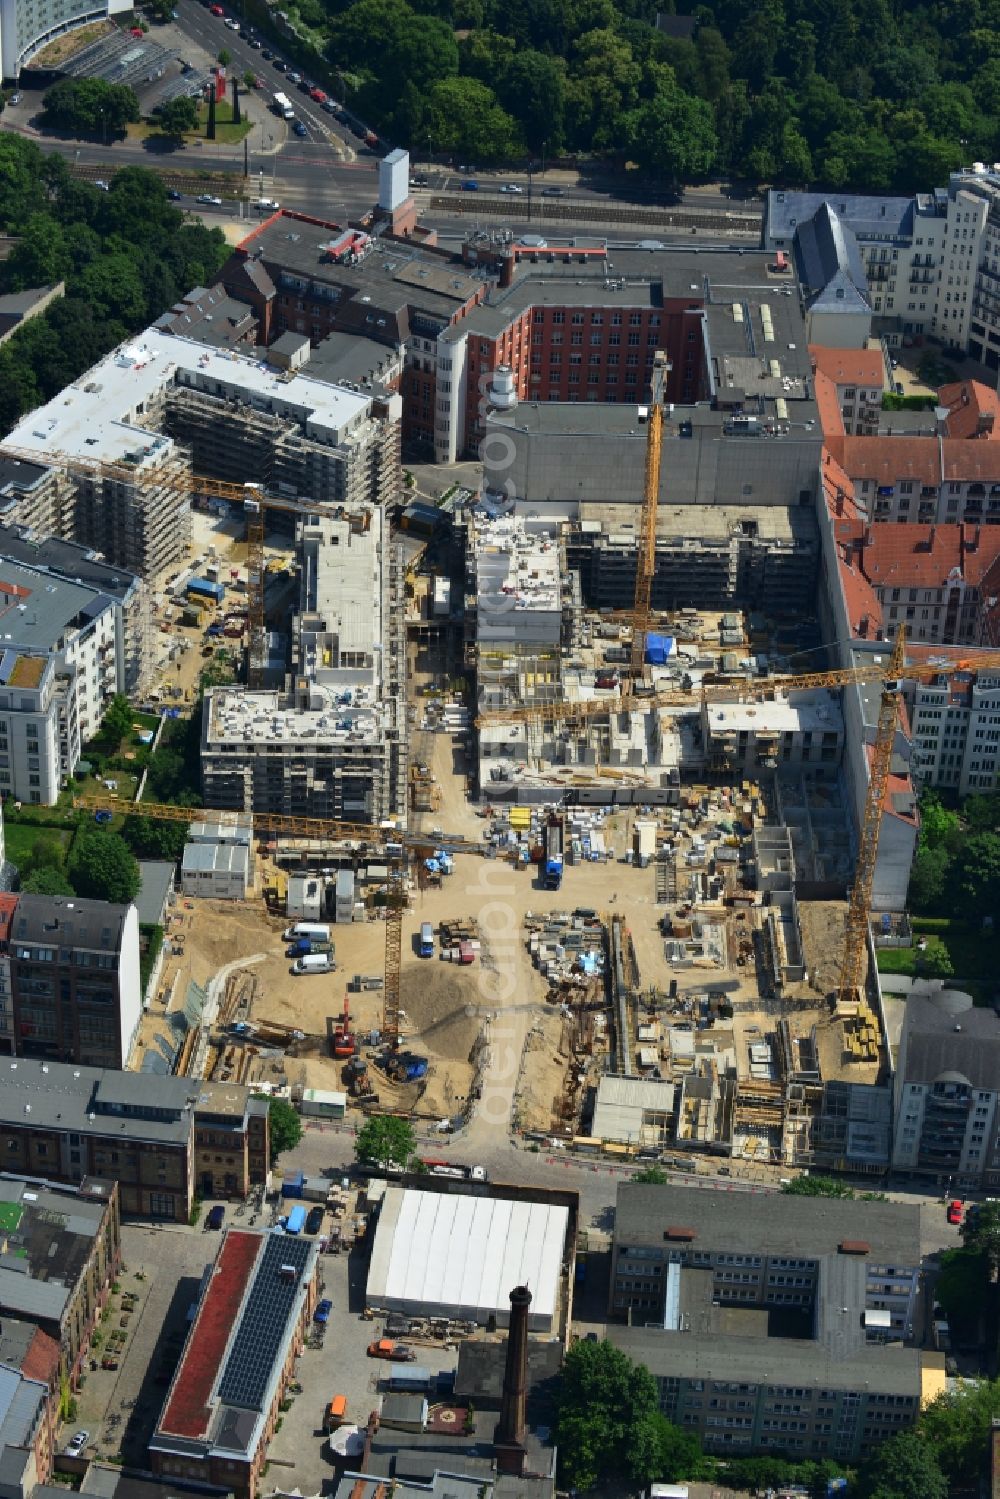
{"type": "Point", "coordinates": [645, 566]}
{"type": "Point", "coordinates": [889, 672]}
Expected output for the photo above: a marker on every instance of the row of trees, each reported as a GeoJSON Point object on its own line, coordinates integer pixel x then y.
{"type": "Point", "coordinates": [609, 1426]}
{"type": "Point", "coordinates": [851, 95]}
{"type": "Point", "coordinates": [124, 255]}
{"type": "Point", "coordinates": [100, 866]}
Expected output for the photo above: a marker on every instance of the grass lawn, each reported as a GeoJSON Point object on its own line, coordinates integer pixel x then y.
{"type": "Point", "coordinates": [20, 836]}
{"type": "Point", "coordinates": [975, 958]}
{"type": "Point", "coordinates": [10, 1216]}
{"type": "Point", "coordinates": [125, 784]}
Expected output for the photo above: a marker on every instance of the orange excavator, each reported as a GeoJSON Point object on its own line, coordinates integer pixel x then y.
{"type": "Point", "coordinates": [344, 1041]}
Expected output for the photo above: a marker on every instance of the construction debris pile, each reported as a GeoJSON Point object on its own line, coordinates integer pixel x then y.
{"type": "Point", "coordinates": [568, 948]}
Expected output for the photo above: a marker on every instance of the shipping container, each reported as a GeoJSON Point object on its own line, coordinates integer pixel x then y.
{"type": "Point", "coordinates": [292, 1183]}
{"type": "Point", "coordinates": [296, 1221]}
{"type": "Point", "coordinates": [206, 589]}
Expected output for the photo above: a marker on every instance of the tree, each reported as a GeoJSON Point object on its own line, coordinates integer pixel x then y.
{"type": "Point", "coordinates": [934, 961]}
{"type": "Point", "coordinates": [608, 1422]}
{"type": "Point", "coordinates": [225, 57]}
{"type": "Point", "coordinates": [673, 135]}
{"type": "Point", "coordinates": [384, 1140]}
{"type": "Point", "coordinates": [89, 106]}
{"type": "Point", "coordinates": [960, 1288]}
{"type": "Point", "coordinates": [117, 720]}
{"type": "Point", "coordinates": [41, 255]}
{"type": "Point", "coordinates": [178, 116]}
{"type": "Point", "coordinates": [463, 116]}
{"type": "Point", "coordinates": [816, 1186]}
{"type": "Point", "coordinates": [977, 875]}
{"type": "Point", "coordinates": [149, 838]}
{"type": "Point", "coordinates": [47, 881]}
{"type": "Point", "coordinates": [929, 879]}
{"type": "Point", "coordinates": [249, 79]}
{"type": "Point", "coordinates": [903, 1467]}
{"type": "Point", "coordinates": [102, 867]}
{"type": "Point", "coordinates": [651, 1176]}
{"type": "Point", "coordinates": [956, 1426]}
{"type": "Point", "coordinates": [286, 1127]}
{"type": "Point", "coordinates": [533, 90]}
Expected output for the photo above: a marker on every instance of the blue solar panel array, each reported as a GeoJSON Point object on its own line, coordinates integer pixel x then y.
{"type": "Point", "coordinates": [265, 1318]}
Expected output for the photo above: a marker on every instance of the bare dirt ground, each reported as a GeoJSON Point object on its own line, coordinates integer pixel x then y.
{"type": "Point", "coordinates": [546, 1057]}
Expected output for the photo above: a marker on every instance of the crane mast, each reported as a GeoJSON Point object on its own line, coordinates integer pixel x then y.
{"type": "Point", "coordinates": [645, 566]}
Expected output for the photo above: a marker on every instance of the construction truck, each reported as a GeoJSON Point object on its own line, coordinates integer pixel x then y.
{"type": "Point", "coordinates": [554, 833]}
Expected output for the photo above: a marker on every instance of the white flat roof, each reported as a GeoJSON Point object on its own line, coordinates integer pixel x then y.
{"type": "Point", "coordinates": [450, 1254]}
{"type": "Point", "coordinates": [818, 711]}
{"type": "Point", "coordinates": [96, 416]}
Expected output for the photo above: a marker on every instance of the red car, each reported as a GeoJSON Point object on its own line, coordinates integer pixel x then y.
{"type": "Point", "coordinates": [318, 95]}
{"type": "Point", "coordinates": [216, 10]}
{"type": "Point", "coordinates": [955, 1211]}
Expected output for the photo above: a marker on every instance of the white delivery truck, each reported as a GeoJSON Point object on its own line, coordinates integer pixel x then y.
{"type": "Point", "coordinates": [314, 962]}
{"type": "Point", "coordinates": [317, 929]}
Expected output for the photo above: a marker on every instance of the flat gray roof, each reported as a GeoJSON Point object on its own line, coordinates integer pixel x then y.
{"type": "Point", "coordinates": [48, 1246]}
{"type": "Point", "coordinates": [38, 609]}
{"type": "Point", "coordinates": [157, 877]}
{"type": "Point", "coordinates": [891, 1370]}
{"type": "Point", "coordinates": [69, 922]}
{"type": "Point", "coordinates": [767, 1223]}
{"type": "Point", "coordinates": [62, 559]}
{"type": "Point", "coordinates": [63, 1097]}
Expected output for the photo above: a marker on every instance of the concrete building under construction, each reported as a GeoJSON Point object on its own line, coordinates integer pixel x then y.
{"type": "Point", "coordinates": [332, 741]}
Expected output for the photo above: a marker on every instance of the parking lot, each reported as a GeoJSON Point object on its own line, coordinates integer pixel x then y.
{"type": "Point", "coordinates": [119, 1407]}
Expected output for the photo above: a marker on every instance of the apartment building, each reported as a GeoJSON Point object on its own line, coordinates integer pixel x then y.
{"type": "Point", "coordinates": [129, 492]}
{"type": "Point", "coordinates": [59, 668]}
{"type": "Point", "coordinates": [66, 561]}
{"type": "Point", "coordinates": [24, 30]}
{"type": "Point", "coordinates": [931, 262]}
{"type": "Point", "coordinates": [161, 1138]}
{"type": "Point", "coordinates": [940, 581]}
{"type": "Point", "coordinates": [768, 1331]}
{"type": "Point", "coordinates": [249, 1328]}
{"type": "Point", "coordinates": [900, 243]}
{"type": "Point", "coordinates": [852, 380]}
{"type": "Point", "coordinates": [61, 1252]}
{"type": "Point", "coordinates": [74, 979]}
{"type": "Point", "coordinates": [946, 1095]}
{"type": "Point", "coordinates": [332, 743]}
{"type": "Point", "coordinates": [955, 724]}
{"type": "Point", "coordinates": [920, 479]}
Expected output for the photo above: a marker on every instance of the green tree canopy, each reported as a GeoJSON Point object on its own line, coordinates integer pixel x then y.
{"type": "Point", "coordinates": [179, 116]}
{"type": "Point", "coordinates": [102, 867]}
{"type": "Point", "coordinates": [651, 1176]}
{"type": "Point", "coordinates": [286, 1127]}
{"type": "Point", "coordinates": [385, 1140]}
{"type": "Point", "coordinates": [47, 881]}
{"type": "Point", "coordinates": [816, 1186]}
{"type": "Point", "coordinates": [956, 1426]}
{"type": "Point", "coordinates": [151, 838]}
{"type": "Point", "coordinates": [89, 106]}
{"type": "Point", "coordinates": [609, 1423]}
{"type": "Point", "coordinates": [904, 1467]}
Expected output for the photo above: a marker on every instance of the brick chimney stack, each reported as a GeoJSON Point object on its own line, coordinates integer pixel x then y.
{"type": "Point", "coordinates": [509, 1437]}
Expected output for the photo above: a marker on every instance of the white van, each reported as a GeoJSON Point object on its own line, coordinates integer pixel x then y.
{"type": "Point", "coordinates": [314, 962]}
{"type": "Point", "coordinates": [317, 929]}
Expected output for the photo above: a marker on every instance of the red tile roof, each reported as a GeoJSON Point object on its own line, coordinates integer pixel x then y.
{"type": "Point", "coordinates": [849, 366]}
{"type": "Point", "coordinates": [973, 409]}
{"type": "Point", "coordinates": [888, 459]}
{"type": "Point", "coordinates": [8, 905]}
{"type": "Point", "coordinates": [831, 417]}
{"type": "Point", "coordinates": [187, 1412]}
{"type": "Point", "coordinates": [839, 489]}
{"type": "Point", "coordinates": [42, 1358]}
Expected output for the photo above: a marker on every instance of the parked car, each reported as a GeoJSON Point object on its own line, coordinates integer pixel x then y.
{"type": "Point", "coordinates": [15, 98]}
{"type": "Point", "coordinates": [267, 54]}
{"type": "Point", "coordinates": [216, 1217]}
{"type": "Point", "coordinates": [318, 94]}
{"type": "Point", "coordinates": [216, 10]}
{"type": "Point", "coordinates": [323, 1310]}
{"type": "Point", "coordinates": [295, 77]}
{"type": "Point", "coordinates": [955, 1211]}
{"type": "Point", "coordinates": [105, 187]}
{"type": "Point", "coordinates": [397, 1353]}
{"type": "Point", "coordinates": [314, 1222]}
{"type": "Point", "coordinates": [279, 66]}
{"type": "Point", "coordinates": [174, 195]}
{"type": "Point", "coordinates": [76, 1443]}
